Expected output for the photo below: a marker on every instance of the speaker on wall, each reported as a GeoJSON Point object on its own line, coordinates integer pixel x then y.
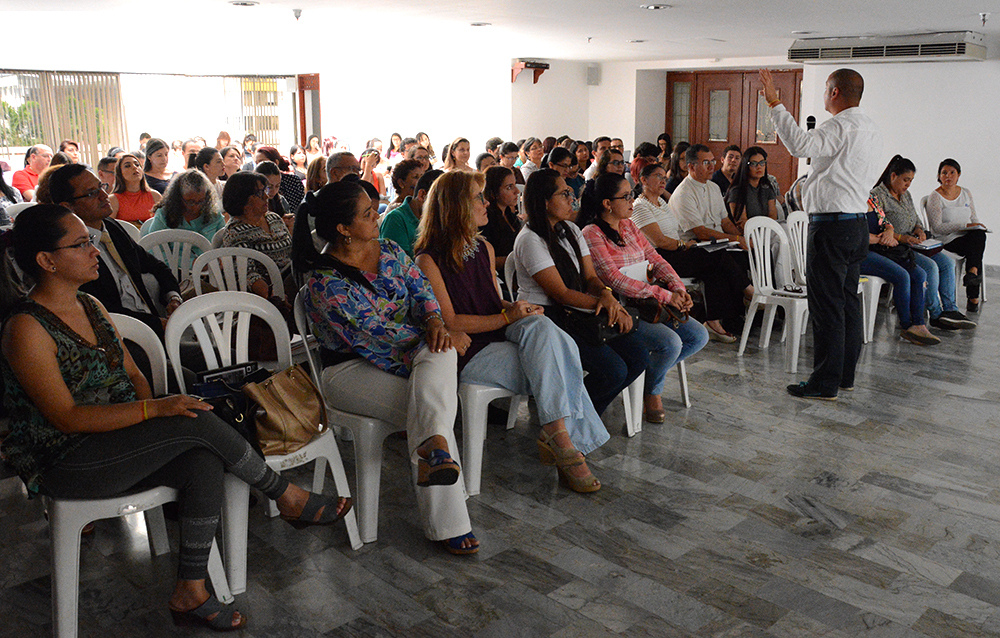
{"type": "Point", "coordinates": [593, 75]}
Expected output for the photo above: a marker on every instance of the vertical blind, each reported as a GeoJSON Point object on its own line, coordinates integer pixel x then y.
{"type": "Point", "coordinates": [46, 107]}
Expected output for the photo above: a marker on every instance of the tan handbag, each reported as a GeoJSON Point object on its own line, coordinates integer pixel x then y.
{"type": "Point", "coordinates": [291, 410]}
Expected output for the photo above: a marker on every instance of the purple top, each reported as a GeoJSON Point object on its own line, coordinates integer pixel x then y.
{"type": "Point", "coordinates": [474, 292]}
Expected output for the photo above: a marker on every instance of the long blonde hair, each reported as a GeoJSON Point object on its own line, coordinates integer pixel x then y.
{"type": "Point", "coordinates": [447, 225]}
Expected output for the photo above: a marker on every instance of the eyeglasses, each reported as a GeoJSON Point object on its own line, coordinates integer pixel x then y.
{"type": "Point", "coordinates": [88, 243]}
{"type": "Point", "coordinates": [757, 163]}
{"type": "Point", "coordinates": [92, 193]}
{"type": "Point", "coordinates": [628, 197]}
{"type": "Point", "coordinates": [710, 162]}
{"type": "Point", "coordinates": [568, 194]}
{"type": "Point", "coordinates": [616, 163]}
{"type": "Point", "coordinates": [561, 166]}
{"type": "Point", "coordinates": [482, 200]}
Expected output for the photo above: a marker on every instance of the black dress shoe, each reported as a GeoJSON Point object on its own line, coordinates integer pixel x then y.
{"type": "Point", "coordinates": [972, 306]}
{"type": "Point", "coordinates": [803, 391]}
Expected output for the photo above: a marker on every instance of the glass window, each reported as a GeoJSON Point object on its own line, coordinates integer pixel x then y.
{"type": "Point", "coordinates": [718, 116]}
{"type": "Point", "coordinates": [682, 112]}
{"type": "Point", "coordinates": [765, 127]}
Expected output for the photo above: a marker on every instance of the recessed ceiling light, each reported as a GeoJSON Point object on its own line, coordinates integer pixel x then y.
{"type": "Point", "coordinates": [481, 24]}
{"type": "Point", "coordinates": [244, 3]}
{"type": "Point", "coordinates": [635, 41]}
{"type": "Point", "coordinates": [656, 7]}
{"type": "Point", "coordinates": [803, 32]}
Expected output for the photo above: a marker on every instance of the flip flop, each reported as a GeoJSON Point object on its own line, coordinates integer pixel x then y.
{"type": "Point", "coordinates": [315, 503]}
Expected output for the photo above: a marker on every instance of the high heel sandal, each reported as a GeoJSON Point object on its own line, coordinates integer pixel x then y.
{"type": "Point", "coordinates": [564, 459]}
{"type": "Point", "coordinates": [198, 617]}
{"type": "Point", "coordinates": [437, 469]}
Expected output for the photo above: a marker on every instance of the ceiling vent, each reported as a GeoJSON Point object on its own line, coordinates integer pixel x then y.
{"type": "Point", "coordinates": [921, 47]}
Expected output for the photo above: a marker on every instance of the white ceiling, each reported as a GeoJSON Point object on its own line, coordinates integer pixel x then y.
{"type": "Point", "coordinates": [553, 29]}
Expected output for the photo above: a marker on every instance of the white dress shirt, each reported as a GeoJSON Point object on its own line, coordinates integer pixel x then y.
{"type": "Point", "coordinates": [846, 154]}
{"type": "Point", "coordinates": [695, 204]}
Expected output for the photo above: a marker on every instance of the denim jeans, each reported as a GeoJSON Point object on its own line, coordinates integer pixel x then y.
{"type": "Point", "coordinates": [836, 250]}
{"type": "Point", "coordinates": [668, 345]}
{"type": "Point", "coordinates": [940, 271]}
{"type": "Point", "coordinates": [907, 287]}
{"type": "Point", "coordinates": [612, 367]}
{"type": "Point", "coordinates": [540, 359]}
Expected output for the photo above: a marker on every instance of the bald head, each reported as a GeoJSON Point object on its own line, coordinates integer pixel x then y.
{"type": "Point", "coordinates": [849, 84]}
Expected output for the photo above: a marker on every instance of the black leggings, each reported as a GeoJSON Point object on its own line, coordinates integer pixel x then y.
{"type": "Point", "coordinates": [971, 245]}
{"type": "Point", "coordinates": [725, 279]}
{"type": "Point", "coordinates": [187, 454]}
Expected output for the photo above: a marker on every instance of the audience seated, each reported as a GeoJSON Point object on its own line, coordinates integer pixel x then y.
{"type": "Point", "coordinates": [132, 200]}
{"type": "Point", "coordinates": [697, 203]}
{"type": "Point", "coordinates": [554, 270]}
{"type": "Point", "coordinates": [189, 203]}
{"type": "Point", "coordinates": [276, 202]}
{"type": "Point", "coordinates": [291, 185]}
{"type": "Point", "coordinates": [341, 164]}
{"type": "Point", "coordinates": [8, 197]}
{"type": "Point", "coordinates": [424, 141]}
{"type": "Point", "coordinates": [386, 350]}
{"type": "Point", "coordinates": [420, 154]}
{"type": "Point", "coordinates": [725, 284]}
{"type": "Point", "coordinates": [892, 193]}
{"type": "Point", "coordinates": [645, 154]}
{"type": "Point", "coordinates": [723, 177]}
{"type": "Point", "coordinates": [493, 146]}
{"type": "Point", "coordinates": [400, 225]}
{"type": "Point", "coordinates": [601, 144]}
{"type": "Point", "coordinates": [405, 175]}
{"type": "Point", "coordinates": [750, 194]}
{"type": "Point", "coordinates": [232, 161]}
{"type": "Point", "coordinates": [503, 224]}
{"type": "Point", "coordinates": [297, 158]}
{"type": "Point", "coordinates": [508, 157]}
{"type": "Point", "coordinates": [893, 261]}
{"type": "Point", "coordinates": [209, 161]}
{"type": "Point", "coordinates": [677, 170]}
{"type": "Point", "coordinates": [119, 285]}
{"type": "Point", "coordinates": [533, 153]}
{"type": "Point", "coordinates": [457, 156]}
{"type": "Point", "coordinates": [951, 215]}
{"type": "Point", "coordinates": [370, 159]}
{"type": "Point", "coordinates": [155, 166]}
{"type": "Point", "coordinates": [501, 344]}
{"type": "Point", "coordinates": [36, 159]}
{"type": "Point", "coordinates": [666, 146]}
{"type": "Point", "coordinates": [251, 225]}
{"type": "Point", "coordinates": [316, 175]}
{"type": "Point", "coordinates": [313, 150]}
{"type": "Point", "coordinates": [562, 161]}
{"type": "Point", "coordinates": [71, 149]}
{"type": "Point", "coordinates": [614, 243]}
{"type": "Point", "coordinates": [106, 172]}
{"type": "Point", "coordinates": [84, 423]}
{"type": "Point", "coordinates": [484, 161]}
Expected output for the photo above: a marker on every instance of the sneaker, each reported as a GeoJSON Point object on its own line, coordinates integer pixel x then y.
{"type": "Point", "coordinates": [802, 391]}
{"type": "Point", "coordinates": [940, 323]}
{"type": "Point", "coordinates": [957, 319]}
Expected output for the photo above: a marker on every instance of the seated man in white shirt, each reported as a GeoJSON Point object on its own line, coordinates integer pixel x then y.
{"type": "Point", "coordinates": [697, 203]}
{"type": "Point", "coordinates": [601, 144]}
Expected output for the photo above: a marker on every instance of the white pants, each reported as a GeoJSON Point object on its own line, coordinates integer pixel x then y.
{"type": "Point", "coordinates": [425, 404]}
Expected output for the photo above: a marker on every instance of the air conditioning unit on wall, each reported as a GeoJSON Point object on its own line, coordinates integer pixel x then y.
{"type": "Point", "coordinates": [919, 47]}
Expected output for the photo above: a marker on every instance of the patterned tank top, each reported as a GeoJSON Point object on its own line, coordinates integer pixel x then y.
{"type": "Point", "coordinates": [94, 374]}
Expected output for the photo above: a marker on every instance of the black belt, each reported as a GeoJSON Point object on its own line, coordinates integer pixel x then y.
{"type": "Point", "coordinates": [835, 217]}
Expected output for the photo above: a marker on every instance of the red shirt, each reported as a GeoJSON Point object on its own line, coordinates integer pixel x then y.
{"type": "Point", "coordinates": [25, 180]}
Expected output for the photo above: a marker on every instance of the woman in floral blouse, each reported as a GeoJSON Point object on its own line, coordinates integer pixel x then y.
{"type": "Point", "coordinates": [386, 351]}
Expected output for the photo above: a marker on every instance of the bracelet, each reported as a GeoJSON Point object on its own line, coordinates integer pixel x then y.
{"type": "Point", "coordinates": [773, 104]}
{"type": "Point", "coordinates": [505, 317]}
{"type": "Point", "coordinates": [145, 414]}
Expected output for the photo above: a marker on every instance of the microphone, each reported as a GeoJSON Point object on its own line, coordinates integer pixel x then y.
{"type": "Point", "coordinates": [810, 122]}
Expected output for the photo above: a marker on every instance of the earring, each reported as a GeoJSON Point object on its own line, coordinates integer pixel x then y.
{"type": "Point", "coordinates": [347, 239]}
{"type": "Point", "coordinates": [53, 269]}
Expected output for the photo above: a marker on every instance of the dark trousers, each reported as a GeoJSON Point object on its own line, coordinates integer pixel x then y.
{"type": "Point", "coordinates": [835, 252]}
{"type": "Point", "coordinates": [612, 367]}
{"type": "Point", "coordinates": [724, 278]}
{"type": "Point", "coordinates": [970, 245]}
{"type": "Point", "coordinates": [188, 454]}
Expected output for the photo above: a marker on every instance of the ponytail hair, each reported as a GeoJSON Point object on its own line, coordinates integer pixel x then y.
{"type": "Point", "coordinates": [605, 187]}
{"type": "Point", "coordinates": [334, 204]}
{"type": "Point", "coordinates": [896, 166]}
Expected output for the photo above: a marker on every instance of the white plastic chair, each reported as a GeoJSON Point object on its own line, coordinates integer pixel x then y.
{"type": "Point", "coordinates": [871, 291]}
{"type": "Point", "coordinates": [227, 270]}
{"type": "Point", "coordinates": [219, 237]}
{"type": "Point", "coordinates": [798, 234]}
{"type": "Point", "coordinates": [67, 517]}
{"type": "Point", "coordinates": [15, 209]}
{"type": "Point", "coordinates": [475, 400]}
{"type": "Point", "coordinates": [760, 232]}
{"type": "Point", "coordinates": [367, 433]}
{"type": "Point", "coordinates": [176, 248]}
{"type": "Point", "coordinates": [132, 230]}
{"type": "Point", "coordinates": [959, 260]}
{"type": "Point", "coordinates": [215, 317]}
{"type": "Point", "coordinates": [146, 225]}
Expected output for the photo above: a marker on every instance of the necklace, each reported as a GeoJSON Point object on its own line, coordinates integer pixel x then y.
{"type": "Point", "coordinates": [470, 250]}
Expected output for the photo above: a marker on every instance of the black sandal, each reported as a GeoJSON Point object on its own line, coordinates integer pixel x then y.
{"type": "Point", "coordinates": [198, 617]}
{"type": "Point", "coordinates": [314, 504]}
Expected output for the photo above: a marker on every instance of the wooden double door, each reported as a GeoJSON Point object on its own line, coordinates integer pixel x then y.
{"type": "Point", "coordinates": [719, 108]}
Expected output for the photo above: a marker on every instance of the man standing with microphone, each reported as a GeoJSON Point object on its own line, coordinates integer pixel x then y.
{"type": "Point", "coordinates": [845, 152]}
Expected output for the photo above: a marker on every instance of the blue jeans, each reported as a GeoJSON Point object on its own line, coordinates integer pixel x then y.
{"type": "Point", "coordinates": [907, 287]}
{"type": "Point", "coordinates": [940, 271]}
{"type": "Point", "coordinates": [612, 367]}
{"type": "Point", "coordinates": [668, 345]}
{"type": "Point", "coordinates": [541, 360]}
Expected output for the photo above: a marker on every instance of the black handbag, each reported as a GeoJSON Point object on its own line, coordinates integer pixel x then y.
{"type": "Point", "coordinates": [901, 254]}
{"type": "Point", "coordinates": [650, 310]}
{"type": "Point", "coordinates": [587, 328]}
{"type": "Point", "coordinates": [230, 404]}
